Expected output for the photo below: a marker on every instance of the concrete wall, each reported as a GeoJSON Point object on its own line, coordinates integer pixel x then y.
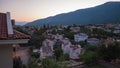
{"type": "Point", "coordinates": [6, 60]}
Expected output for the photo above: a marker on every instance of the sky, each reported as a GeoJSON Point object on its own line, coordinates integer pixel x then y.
{"type": "Point", "coordinates": [30, 10]}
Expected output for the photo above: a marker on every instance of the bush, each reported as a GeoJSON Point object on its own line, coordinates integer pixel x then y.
{"type": "Point", "coordinates": [47, 63]}
{"type": "Point", "coordinates": [57, 52]}
{"type": "Point", "coordinates": [35, 55]}
{"type": "Point", "coordinates": [109, 53]}
{"type": "Point", "coordinates": [24, 66]}
{"type": "Point", "coordinates": [64, 57]}
{"type": "Point", "coordinates": [33, 63]}
{"type": "Point", "coordinates": [69, 35]}
{"type": "Point", "coordinates": [89, 57]}
{"type": "Point", "coordinates": [91, 48]}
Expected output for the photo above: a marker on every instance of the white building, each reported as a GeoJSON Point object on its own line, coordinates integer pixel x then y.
{"type": "Point", "coordinates": [80, 37]}
{"type": "Point", "coordinates": [75, 29]}
{"type": "Point", "coordinates": [66, 46]}
{"type": "Point", "coordinates": [58, 36]}
{"type": "Point", "coordinates": [93, 41]}
{"type": "Point", "coordinates": [75, 51]}
{"type": "Point", "coordinates": [46, 50]}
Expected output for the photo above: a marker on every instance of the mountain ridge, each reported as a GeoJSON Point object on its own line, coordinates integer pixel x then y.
{"type": "Point", "coordinates": [106, 13]}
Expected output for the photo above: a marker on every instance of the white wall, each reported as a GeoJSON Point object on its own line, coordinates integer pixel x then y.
{"type": "Point", "coordinates": [9, 24]}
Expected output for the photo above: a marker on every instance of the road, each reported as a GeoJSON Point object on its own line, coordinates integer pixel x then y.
{"type": "Point", "coordinates": [23, 53]}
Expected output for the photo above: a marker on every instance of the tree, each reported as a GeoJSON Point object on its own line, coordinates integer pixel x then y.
{"type": "Point", "coordinates": [37, 38]}
{"type": "Point", "coordinates": [89, 57]}
{"type": "Point", "coordinates": [109, 53]}
{"type": "Point", "coordinates": [35, 41]}
{"type": "Point", "coordinates": [69, 35]}
{"type": "Point", "coordinates": [57, 51]}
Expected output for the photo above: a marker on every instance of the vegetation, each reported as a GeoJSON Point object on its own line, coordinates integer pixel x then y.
{"type": "Point", "coordinates": [95, 66]}
{"type": "Point", "coordinates": [109, 53]}
{"type": "Point", "coordinates": [58, 52]}
{"type": "Point", "coordinates": [95, 53]}
{"type": "Point", "coordinates": [35, 55]}
{"type": "Point", "coordinates": [48, 63]}
{"type": "Point", "coordinates": [21, 30]}
{"type": "Point", "coordinates": [33, 59]}
{"type": "Point", "coordinates": [37, 38]}
{"type": "Point", "coordinates": [63, 57]}
{"type": "Point", "coordinates": [89, 57]}
{"type": "Point", "coordinates": [33, 63]}
{"type": "Point", "coordinates": [101, 34]}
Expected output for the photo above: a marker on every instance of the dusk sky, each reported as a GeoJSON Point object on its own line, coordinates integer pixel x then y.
{"type": "Point", "coordinates": [29, 10]}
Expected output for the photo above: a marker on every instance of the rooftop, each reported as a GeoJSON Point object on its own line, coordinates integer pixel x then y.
{"type": "Point", "coordinates": [6, 29]}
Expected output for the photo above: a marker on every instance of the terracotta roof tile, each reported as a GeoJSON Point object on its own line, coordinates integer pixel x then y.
{"type": "Point", "coordinates": [3, 26]}
{"type": "Point", "coordinates": [19, 35]}
{"type": "Point", "coordinates": [4, 29]}
{"type": "Point", "coordinates": [93, 39]}
{"type": "Point", "coordinates": [109, 41]}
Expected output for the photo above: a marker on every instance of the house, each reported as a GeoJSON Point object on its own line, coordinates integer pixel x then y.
{"type": "Point", "coordinates": [93, 41]}
{"type": "Point", "coordinates": [65, 26]}
{"type": "Point", "coordinates": [46, 50]}
{"type": "Point", "coordinates": [108, 42]}
{"type": "Point", "coordinates": [117, 29]}
{"type": "Point", "coordinates": [49, 35]}
{"type": "Point", "coordinates": [75, 29]}
{"type": "Point", "coordinates": [36, 50]}
{"type": "Point", "coordinates": [58, 37]}
{"type": "Point", "coordinates": [8, 38]}
{"type": "Point", "coordinates": [49, 31]}
{"type": "Point", "coordinates": [75, 52]}
{"type": "Point", "coordinates": [80, 37]}
{"type": "Point", "coordinates": [66, 46]}
{"type": "Point", "coordinates": [118, 40]}
{"type": "Point", "coordinates": [107, 30]}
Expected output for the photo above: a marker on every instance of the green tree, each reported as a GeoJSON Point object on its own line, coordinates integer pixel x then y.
{"type": "Point", "coordinates": [58, 52]}
{"type": "Point", "coordinates": [89, 57]}
{"type": "Point", "coordinates": [48, 63]}
{"type": "Point", "coordinates": [109, 53]}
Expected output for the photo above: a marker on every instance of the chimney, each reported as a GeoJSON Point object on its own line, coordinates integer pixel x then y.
{"type": "Point", "coordinates": [9, 25]}
{"type": "Point", "coordinates": [13, 22]}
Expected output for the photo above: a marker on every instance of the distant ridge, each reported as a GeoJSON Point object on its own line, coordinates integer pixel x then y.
{"type": "Point", "coordinates": [106, 13]}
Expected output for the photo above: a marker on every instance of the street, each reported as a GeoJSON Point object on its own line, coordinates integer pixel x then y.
{"type": "Point", "coordinates": [23, 53]}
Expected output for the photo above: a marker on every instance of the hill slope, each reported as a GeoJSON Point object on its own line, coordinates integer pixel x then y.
{"type": "Point", "coordinates": [106, 13]}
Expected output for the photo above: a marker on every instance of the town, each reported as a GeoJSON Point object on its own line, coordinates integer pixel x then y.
{"type": "Point", "coordinates": [59, 46]}
{"type": "Point", "coordinates": [73, 46]}
{"type": "Point", "coordinates": [59, 33]}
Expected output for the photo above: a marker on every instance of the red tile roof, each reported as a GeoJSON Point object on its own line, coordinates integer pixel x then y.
{"type": "Point", "coordinates": [4, 29]}
{"type": "Point", "coordinates": [74, 47]}
{"type": "Point", "coordinates": [19, 35]}
{"type": "Point", "coordinates": [3, 26]}
{"type": "Point", "coordinates": [93, 39]}
{"type": "Point", "coordinates": [109, 41]}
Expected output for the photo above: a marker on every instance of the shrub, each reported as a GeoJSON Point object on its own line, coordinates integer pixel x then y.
{"type": "Point", "coordinates": [109, 53]}
{"type": "Point", "coordinates": [92, 48]}
{"type": "Point", "coordinates": [48, 63]}
{"type": "Point", "coordinates": [57, 52]}
{"type": "Point", "coordinates": [64, 57]}
{"type": "Point", "coordinates": [33, 63]}
{"type": "Point", "coordinates": [36, 55]}
{"type": "Point", "coordinates": [89, 57]}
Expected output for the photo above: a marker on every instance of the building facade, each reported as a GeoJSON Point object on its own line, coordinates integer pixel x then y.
{"type": "Point", "coordinates": [8, 38]}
